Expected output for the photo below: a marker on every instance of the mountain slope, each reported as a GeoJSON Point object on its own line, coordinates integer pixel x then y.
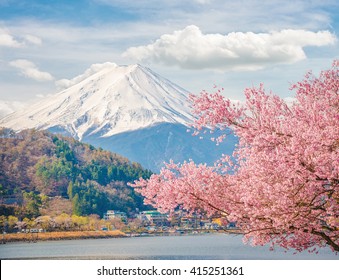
{"type": "Point", "coordinates": [129, 110]}
{"type": "Point", "coordinates": [113, 100]}
{"type": "Point", "coordinates": [92, 180]}
{"type": "Point", "coordinates": [154, 145]}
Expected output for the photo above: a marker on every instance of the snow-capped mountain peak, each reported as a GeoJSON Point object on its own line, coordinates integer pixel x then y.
{"type": "Point", "coordinates": [113, 100]}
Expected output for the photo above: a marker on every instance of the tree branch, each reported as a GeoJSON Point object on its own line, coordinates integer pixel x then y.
{"type": "Point", "coordinates": [328, 240]}
{"type": "Point", "coordinates": [209, 204]}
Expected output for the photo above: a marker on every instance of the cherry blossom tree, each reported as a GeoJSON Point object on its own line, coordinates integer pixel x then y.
{"type": "Point", "coordinates": [281, 183]}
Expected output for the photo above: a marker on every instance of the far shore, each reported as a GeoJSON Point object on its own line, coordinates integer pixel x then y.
{"type": "Point", "coordinates": [59, 235]}
{"type": "Point", "coordinates": [73, 235]}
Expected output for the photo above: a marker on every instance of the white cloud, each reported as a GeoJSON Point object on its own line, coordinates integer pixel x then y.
{"type": "Point", "coordinates": [33, 39]}
{"type": "Point", "coordinates": [7, 40]}
{"type": "Point", "coordinates": [229, 15]}
{"type": "Point", "coordinates": [202, 1]}
{"type": "Point", "coordinates": [191, 49]}
{"type": "Point", "coordinates": [69, 47]}
{"type": "Point", "coordinates": [30, 70]}
{"type": "Point", "coordinates": [8, 107]}
{"type": "Point", "coordinates": [66, 83]}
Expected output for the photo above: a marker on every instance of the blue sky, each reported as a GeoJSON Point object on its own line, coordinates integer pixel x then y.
{"type": "Point", "coordinates": [196, 43]}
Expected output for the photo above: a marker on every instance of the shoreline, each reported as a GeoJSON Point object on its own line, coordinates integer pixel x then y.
{"type": "Point", "coordinates": [80, 235]}
{"type": "Point", "coordinates": [59, 235]}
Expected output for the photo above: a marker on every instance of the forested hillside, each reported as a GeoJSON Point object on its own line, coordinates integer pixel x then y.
{"type": "Point", "coordinates": [43, 172]}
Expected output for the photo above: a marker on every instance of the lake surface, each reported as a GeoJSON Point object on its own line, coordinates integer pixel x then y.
{"type": "Point", "coordinates": [185, 247]}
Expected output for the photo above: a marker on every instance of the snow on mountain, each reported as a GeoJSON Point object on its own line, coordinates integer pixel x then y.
{"type": "Point", "coordinates": [129, 110]}
{"type": "Point", "coordinates": [113, 100]}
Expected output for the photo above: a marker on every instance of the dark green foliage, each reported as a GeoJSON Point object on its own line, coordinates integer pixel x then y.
{"type": "Point", "coordinates": [7, 210]}
{"type": "Point", "coordinates": [104, 174]}
{"type": "Point", "coordinates": [88, 198]}
{"type": "Point", "coordinates": [32, 204]}
{"type": "Point", "coordinates": [63, 150]}
{"type": "Point", "coordinates": [55, 169]}
{"type": "Point", "coordinates": [38, 162]}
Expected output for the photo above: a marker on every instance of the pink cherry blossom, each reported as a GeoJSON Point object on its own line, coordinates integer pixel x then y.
{"type": "Point", "coordinates": [281, 185]}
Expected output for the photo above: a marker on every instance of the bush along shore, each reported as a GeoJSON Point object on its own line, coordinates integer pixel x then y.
{"type": "Point", "coordinates": [61, 235]}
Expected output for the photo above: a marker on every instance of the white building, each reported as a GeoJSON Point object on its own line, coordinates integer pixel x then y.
{"type": "Point", "coordinates": [112, 214]}
{"type": "Point", "coordinates": [153, 218]}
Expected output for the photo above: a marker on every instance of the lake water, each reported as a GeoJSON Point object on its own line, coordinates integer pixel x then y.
{"type": "Point", "coordinates": [185, 247]}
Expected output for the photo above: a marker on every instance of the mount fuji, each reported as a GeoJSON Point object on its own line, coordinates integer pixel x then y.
{"type": "Point", "coordinates": [129, 110]}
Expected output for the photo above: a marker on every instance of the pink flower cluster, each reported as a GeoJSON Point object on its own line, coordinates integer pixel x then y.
{"type": "Point", "coordinates": [281, 184]}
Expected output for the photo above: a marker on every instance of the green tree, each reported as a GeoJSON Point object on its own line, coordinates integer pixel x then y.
{"type": "Point", "coordinates": [76, 205]}
{"type": "Point", "coordinates": [32, 204]}
{"type": "Point", "coordinates": [70, 190]}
